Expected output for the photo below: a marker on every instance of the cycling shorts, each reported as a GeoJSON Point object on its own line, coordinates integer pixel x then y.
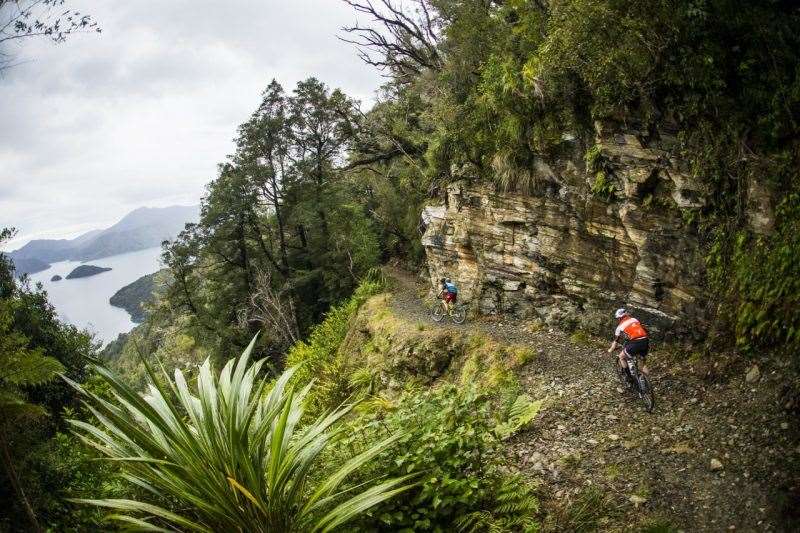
{"type": "Point", "coordinates": [638, 347]}
{"type": "Point", "coordinates": [450, 297]}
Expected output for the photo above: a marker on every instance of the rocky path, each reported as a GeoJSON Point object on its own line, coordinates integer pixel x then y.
{"type": "Point", "coordinates": [719, 453]}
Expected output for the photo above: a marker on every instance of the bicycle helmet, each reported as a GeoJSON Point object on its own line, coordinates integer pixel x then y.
{"type": "Point", "coordinates": [619, 313]}
{"type": "Point", "coordinates": [442, 280]}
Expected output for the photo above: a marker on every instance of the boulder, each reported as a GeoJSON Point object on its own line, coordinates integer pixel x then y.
{"type": "Point", "coordinates": [753, 375]}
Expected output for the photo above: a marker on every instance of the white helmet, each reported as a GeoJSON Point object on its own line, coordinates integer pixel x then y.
{"type": "Point", "coordinates": [619, 313]}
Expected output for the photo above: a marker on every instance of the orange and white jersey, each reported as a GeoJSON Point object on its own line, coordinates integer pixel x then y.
{"type": "Point", "coordinates": [631, 328]}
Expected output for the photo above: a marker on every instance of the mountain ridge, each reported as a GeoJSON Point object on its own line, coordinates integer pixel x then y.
{"type": "Point", "coordinates": [142, 228]}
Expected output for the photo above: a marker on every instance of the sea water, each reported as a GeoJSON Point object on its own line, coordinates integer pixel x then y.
{"type": "Point", "coordinates": [84, 301]}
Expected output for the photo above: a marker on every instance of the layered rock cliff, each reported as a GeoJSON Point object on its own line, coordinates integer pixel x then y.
{"type": "Point", "coordinates": [604, 226]}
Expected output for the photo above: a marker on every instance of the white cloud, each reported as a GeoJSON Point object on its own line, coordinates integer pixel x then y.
{"type": "Point", "coordinates": [142, 113]}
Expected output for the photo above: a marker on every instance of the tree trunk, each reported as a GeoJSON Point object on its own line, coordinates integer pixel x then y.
{"type": "Point", "coordinates": [11, 472]}
{"type": "Point", "coordinates": [276, 204]}
{"type": "Point", "coordinates": [245, 260]}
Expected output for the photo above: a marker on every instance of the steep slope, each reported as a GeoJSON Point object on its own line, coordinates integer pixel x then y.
{"type": "Point", "coordinates": [602, 462]}
{"type": "Point", "coordinates": [139, 229]}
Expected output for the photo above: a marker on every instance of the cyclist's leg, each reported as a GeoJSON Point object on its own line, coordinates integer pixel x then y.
{"type": "Point", "coordinates": [623, 359]}
{"type": "Point", "coordinates": [447, 300]}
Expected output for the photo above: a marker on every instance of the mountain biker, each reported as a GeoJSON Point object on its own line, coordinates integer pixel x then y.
{"type": "Point", "coordinates": [634, 337]}
{"type": "Point", "coordinates": [448, 292]}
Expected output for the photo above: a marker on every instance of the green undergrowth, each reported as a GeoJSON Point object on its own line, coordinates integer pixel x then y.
{"type": "Point", "coordinates": [316, 357]}
{"type": "Point", "coordinates": [588, 511]}
{"type": "Point", "coordinates": [455, 399]}
{"type": "Point", "coordinates": [759, 279]}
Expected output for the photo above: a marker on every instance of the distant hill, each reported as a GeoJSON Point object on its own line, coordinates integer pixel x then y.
{"type": "Point", "coordinates": [134, 296]}
{"type": "Point", "coordinates": [84, 271]}
{"type": "Point", "coordinates": [142, 228]}
{"type": "Point", "coordinates": [29, 265]}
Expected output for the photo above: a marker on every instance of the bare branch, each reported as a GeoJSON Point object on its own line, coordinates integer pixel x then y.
{"type": "Point", "coordinates": [399, 39]}
{"type": "Point", "coordinates": [272, 309]}
{"type": "Point", "coordinates": [20, 19]}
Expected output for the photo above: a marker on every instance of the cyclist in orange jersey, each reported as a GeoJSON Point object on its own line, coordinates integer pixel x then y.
{"type": "Point", "coordinates": [634, 339]}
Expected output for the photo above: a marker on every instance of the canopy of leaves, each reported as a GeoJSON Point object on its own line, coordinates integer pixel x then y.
{"type": "Point", "coordinates": [512, 78]}
{"type": "Point", "coordinates": [280, 213]}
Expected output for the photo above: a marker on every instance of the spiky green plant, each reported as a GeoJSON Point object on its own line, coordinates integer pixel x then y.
{"type": "Point", "coordinates": [233, 457]}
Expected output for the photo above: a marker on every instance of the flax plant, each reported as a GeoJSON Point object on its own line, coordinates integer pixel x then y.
{"type": "Point", "coordinates": [232, 457]}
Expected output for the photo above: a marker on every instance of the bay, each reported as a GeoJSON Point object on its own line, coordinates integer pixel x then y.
{"type": "Point", "coordinates": [83, 302]}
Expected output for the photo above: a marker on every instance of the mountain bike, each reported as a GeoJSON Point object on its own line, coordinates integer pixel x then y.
{"type": "Point", "coordinates": [635, 381]}
{"type": "Point", "coordinates": [457, 313]}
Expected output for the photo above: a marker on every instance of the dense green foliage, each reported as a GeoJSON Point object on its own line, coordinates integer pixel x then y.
{"type": "Point", "coordinates": [42, 463]}
{"type": "Point", "coordinates": [318, 193]}
{"type": "Point", "coordinates": [231, 456]}
{"type": "Point", "coordinates": [451, 434]}
{"type": "Point", "coordinates": [452, 439]}
{"type": "Point", "coordinates": [316, 357]}
{"type": "Point", "coordinates": [493, 86]}
{"type": "Point", "coordinates": [281, 236]}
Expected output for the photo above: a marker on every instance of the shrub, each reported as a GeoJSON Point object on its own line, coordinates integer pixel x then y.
{"type": "Point", "coordinates": [603, 186]}
{"type": "Point", "coordinates": [231, 457]}
{"type": "Point", "coordinates": [453, 441]}
{"type": "Point", "coordinates": [316, 358]}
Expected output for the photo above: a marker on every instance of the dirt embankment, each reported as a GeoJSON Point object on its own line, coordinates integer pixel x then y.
{"type": "Point", "coordinates": [720, 452]}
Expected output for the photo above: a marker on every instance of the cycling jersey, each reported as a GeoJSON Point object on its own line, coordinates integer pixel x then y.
{"type": "Point", "coordinates": [451, 288]}
{"type": "Point", "coordinates": [631, 328]}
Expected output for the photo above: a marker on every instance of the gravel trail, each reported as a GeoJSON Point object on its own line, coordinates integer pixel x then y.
{"type": "Point", "coordinates": [719, 453]}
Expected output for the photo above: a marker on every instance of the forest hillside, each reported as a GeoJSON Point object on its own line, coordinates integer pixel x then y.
{"type": "Point", "coordinates": [556, 160]}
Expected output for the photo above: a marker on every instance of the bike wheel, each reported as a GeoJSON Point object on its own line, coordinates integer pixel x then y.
{"type": "Point", "coordinates": [459, 314]}
{"type": "Point", "coordinates": [437, 312]}
{"type": "Point", "coordinates": [646, 393]}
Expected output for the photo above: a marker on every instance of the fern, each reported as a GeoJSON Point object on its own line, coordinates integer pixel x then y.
{"type": "Point", "coordinates": [20, 367]}
{"type": "Point", "coordinates": [515, 510]}
{"type": "Point", "coordinates": [520, 414]}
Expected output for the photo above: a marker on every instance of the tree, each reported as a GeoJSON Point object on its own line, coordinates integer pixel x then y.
{"type": "Point", "coordinates": [272, 309]}
{"type": "Point", "coordinates": [263, 153]}
{"type": "Point", "coordinates": [402, 40]}
{"type": "Point", "coordinates": [20, 367]}
{"type": "Point", "coordinates": [22, 19]}
{"type": "Point", "coordinates": [322, 124]}
{"type": "Point", "coordinates": [282, 233]}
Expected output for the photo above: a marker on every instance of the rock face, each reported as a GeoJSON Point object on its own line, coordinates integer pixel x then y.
{"type": "Point", "coordinates": [56, 278]}
{"type": "Point", "coordinates": [564, 252]}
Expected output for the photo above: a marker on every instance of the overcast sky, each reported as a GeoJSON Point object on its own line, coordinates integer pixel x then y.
{"type": "Point", "coordinates": [141, 114]}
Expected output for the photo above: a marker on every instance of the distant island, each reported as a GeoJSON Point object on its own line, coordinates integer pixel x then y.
{"type": "Point", "coordinates": [134, 296]}
{"type": "Point", "coordinates": [84, 271]}
{"type": "Point", "coordinates": [56, 278]}
{"type": "Point", "coordinates": [142, 228]}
